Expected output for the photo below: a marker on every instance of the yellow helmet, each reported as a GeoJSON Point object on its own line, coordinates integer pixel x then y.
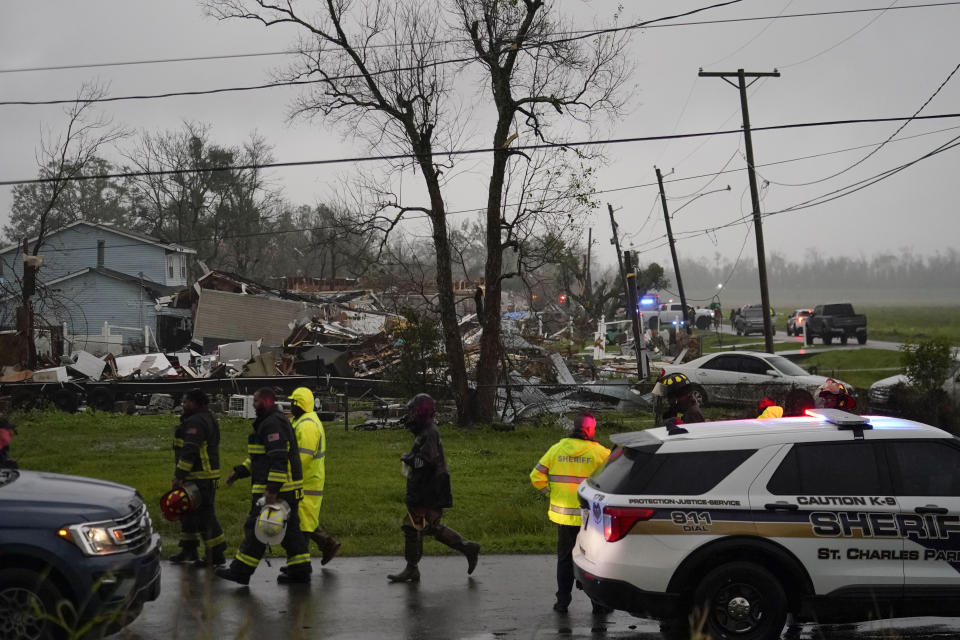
{"type": "Point", "coordinates": [303, 398]}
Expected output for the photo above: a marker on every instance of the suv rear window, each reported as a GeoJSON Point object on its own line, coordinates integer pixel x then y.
{"type": "Point", "coordinates": [829, 468]}
{"type": "Point", "coordinates": [640, 471]}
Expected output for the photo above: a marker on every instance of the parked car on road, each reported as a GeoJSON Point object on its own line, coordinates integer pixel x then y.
{"type": "Point", "coordinates": [734, 525]}
{"type": "Point", "coordinates": [829, 321]}
{"type": "Point", "coordinates": [74, 549]}
{"type": "Point", "coordinates": [750, 320]}
{"type": "Point", "coordinates": [744, 377]}
{"type": "Point", "coordinates": [795, 321]}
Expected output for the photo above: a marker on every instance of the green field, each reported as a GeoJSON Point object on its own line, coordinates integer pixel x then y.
{"type": "Point", "coordinates": [494, 502]}
{"type": "Point", "coordinates": [860, 367]}
{"type": "Point", "coordinates": [901, 324]}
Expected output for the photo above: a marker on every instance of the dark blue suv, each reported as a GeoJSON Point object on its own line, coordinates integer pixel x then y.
{"type": "Point", "coordinates": [78, 556]}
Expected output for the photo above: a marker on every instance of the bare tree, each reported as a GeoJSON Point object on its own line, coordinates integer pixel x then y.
{"type": "Point", "coordinates": [534, 75]}
{"type": "Point", "coordinates": [61, 159]}
{"type": "Point", "coordinates": [392, 96]}
{"type": "Point", "coordinates": [385, 71]}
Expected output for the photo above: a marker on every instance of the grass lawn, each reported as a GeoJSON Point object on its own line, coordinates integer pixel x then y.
{"type": "Point", "coordinates": [494, 502]}
{"type": "Point", "coordinates": [860, 367]}
{"type": "Point", "coordinates": [901, 324]}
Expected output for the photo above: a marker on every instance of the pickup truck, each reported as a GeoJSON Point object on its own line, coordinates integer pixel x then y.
{"type": "Point", "coordinates": [670, 314]}
{"type": "Point", "coordinates": [829, 321]}
{"type": "Point", "coordinates": [78, 556]}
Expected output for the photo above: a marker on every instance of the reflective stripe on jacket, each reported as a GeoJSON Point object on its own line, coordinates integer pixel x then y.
{"type": "Point", "coordinates": [312, 445]}
{"type": "Point", "coordinates": [561, 470]}
{"type": "Point", "coordinates": [196, 447]}
{"type": "Point", "coordinates": [273, 462]}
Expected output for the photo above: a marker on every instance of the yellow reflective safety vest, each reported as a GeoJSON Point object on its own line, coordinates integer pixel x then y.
{"type": "Point", "coordinates": [561, 470]}
{"type": "Point", "coordinates": [312, 444]}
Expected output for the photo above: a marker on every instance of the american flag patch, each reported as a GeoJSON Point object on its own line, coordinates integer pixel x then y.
{"type": "Point", "coordinates": [192, 430]}
{"type": "Point", "coordinates": [273, 437]}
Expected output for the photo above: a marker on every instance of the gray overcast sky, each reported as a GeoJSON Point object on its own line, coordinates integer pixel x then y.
{"type": "Point", "coordinates": [889, 68]}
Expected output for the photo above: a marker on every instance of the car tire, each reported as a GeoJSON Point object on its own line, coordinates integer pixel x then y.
{"type": "Point", "coordinates": [703, 323]}
{"type": "Point", "coordinates": [100, 399]}
{"type": "Point", "coordinates": [843, 339]}
{"type": "Point", "coordinates": [65, 400]}
{"type": "Point", "coordinates": [699, 395]}
{"type": "Point", "coordinates": [827, 339]}
{"type": "Point", "coordinates": [740, 600]}
{"type": "Point", "coordinates": [862, 338]}
{"type": "Point", "coordinates": [28, 604]}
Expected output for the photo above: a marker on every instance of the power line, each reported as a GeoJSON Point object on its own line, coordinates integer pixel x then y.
{"type": "Point", "coordinates": [437, 63]}
{"type": "Point", "coordinates": [463, 152]}
{"type": "Point", "coordinates": [879, 146]}
{"type": "Point", "coordinates": [842, 41]}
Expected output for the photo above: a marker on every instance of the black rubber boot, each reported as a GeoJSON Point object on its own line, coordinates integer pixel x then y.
{"type": "Point", "coordinates": [214, 559]}
{"type": "Point", "coordinates": [188, 553]}
{"type": "Point", "coordinates": [293, 577]}
{"type": "Point", "coordinates": [410, 573]}
{"type": "Point", "coordinates": [233, 575]}
{"type": "Point", "coordinates": [470, 550]}
{"type": "Point", "coordinates": [412, 550]}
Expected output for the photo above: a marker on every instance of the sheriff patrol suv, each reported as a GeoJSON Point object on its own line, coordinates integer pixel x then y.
{"type": "Point", "coordinates": [730, 526]}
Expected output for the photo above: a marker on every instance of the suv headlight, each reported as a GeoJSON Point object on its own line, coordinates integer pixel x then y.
{"type": "Point", "coordinates": [95, 538]}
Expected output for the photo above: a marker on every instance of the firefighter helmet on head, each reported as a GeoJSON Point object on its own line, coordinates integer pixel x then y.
{"type": "Point", "coordinates": [178, 502]}
{"type": "Point", "coordinates": [271, 524]}
{"type": "Point", "coordinates": [672, 385]}
{"type": "Point", "coordinates": [834, 395]}
{"type": "Point", "coordinates": [422, 408]}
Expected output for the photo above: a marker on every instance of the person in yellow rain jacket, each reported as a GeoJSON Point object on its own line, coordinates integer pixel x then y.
{"type": "Point", "coordinates": [558, 474]}
{"type": "Point", "coordinates": [312, 444]}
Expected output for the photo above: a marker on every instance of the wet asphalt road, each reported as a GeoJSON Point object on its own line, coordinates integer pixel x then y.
{"type": "Point", "coordinates": [507, 597]}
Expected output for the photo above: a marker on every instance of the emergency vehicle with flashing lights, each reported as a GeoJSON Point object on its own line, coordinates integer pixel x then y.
{"type": "Point", "coordinates": [727, 527]}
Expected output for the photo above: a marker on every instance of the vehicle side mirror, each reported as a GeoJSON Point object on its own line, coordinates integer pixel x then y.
{"type": "Point", "coordinates": [774, 373]}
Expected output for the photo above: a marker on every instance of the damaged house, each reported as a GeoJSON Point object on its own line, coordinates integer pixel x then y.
{"type": "Point", "coordinates": [99, 286]}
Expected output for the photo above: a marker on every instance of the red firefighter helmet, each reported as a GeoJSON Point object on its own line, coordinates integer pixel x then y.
{"type": "Point", "coordinates": [178, 502]}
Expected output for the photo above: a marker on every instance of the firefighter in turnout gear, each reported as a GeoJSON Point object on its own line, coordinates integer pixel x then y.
{"type": "Point", "coordinates": [275, 475]}
{"type": "Point", "coordinates": [428, 492]}
{"type": "Point", "coordinates": [196, 450]}
{"type": "Point", "coordinates": [312, 445]}
{"type": "Point", "coordinates": [558, 474]}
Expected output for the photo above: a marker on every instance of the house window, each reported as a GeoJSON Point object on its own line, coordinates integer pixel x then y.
{"type": "Point", "coordinates": [170, 259]}
{"type": "Point", "coordinates": [183, 267]}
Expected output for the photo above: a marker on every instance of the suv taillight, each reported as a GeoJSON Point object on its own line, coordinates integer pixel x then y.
{"type": "Point", "coordinates": [617, 521]}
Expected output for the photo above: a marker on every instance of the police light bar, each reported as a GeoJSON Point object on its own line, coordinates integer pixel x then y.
{"type": "Point", "coordinates": [840, 418]}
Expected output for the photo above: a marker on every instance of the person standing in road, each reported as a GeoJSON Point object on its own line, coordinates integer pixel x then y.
{"type": "Point", "coordinates": [196, 452]}
{"type": "Point", "coordinates": [275, 475]}
{"type": "Point", "coordinates": [428, 492]}
{"type": "Point", "coordinates": [312, 445]}
{"type": "Point", "coordinates": [557, 475]}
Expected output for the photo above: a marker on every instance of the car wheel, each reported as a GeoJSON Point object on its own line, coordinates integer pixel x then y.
{"type": "Point", "coordinates": [827, 339]}
{"type": "Point", "coordinates": [862, 338]}
{"type": "Point", "coordinates": [703, 323]}
{"type": "Point", "coordinates": [741, 600]}
{"type": "Point", "coordinates": [28, 606]}
{"type": "Point", "coordinates": [699, 395]}
{"type": "Point", "coordinates": [843, 339]}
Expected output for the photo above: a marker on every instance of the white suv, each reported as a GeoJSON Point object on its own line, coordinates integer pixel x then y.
{"type": "Point", "coordinates": [730, 526]}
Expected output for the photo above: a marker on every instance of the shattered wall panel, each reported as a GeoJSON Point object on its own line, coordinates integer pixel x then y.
{"type": "Point", "coordinates": [239, 317]}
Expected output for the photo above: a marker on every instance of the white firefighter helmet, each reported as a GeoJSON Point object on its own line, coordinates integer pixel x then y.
{"type": "Point", "coordinates": [272, 522]}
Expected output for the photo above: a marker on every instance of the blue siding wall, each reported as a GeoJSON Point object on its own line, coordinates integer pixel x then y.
{"type": "Point", "coordinates": [75, 249]}
{"type": "Point", "coordinates": [87, 301]}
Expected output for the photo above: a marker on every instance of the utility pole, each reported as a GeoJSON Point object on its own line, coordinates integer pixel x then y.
{"type": "Point", "coordinates": [615, 241]}
{"type": "Point", "coordinates": [742, 85]}
{"type": "Point", "coordinates": [588, 287]}
{"type": "Point", "coordinates": [641, 352]}
{"type": "Point", "coordinates": [673, 252]}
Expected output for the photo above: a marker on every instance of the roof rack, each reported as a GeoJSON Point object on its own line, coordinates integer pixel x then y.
{"type": "Point", "coordinates": [842, 419]}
